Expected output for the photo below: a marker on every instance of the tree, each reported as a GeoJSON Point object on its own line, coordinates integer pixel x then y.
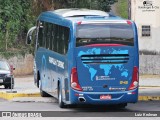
{"type": "Point", "coordinates": [15, 19]}
{"type": "Point", "coordinates": [17, 16]}
{"type": "Point", "coordinates": [104, 5]}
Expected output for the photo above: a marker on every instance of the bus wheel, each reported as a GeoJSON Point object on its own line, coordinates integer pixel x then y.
{"type": "Point", "coordinates": [43, 93]}
{"type": "Point", "coordinates": [60, 102]}
{"type": "Point", "coordinates": [122, 105]}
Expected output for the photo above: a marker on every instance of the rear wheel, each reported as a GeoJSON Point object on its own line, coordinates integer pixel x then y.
{"type": "Point", "coordinates": [38, 81]}
{"type": "Point", "coordinates": [121, 105]}
{"type": "Point", "coordinates": [60, 102]}
{"type": "Point", "coordinates": [43, 93]}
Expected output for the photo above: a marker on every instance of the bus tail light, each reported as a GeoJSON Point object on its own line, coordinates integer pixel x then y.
{"type": "Point", "coordinates": [135, 79]}
{"type": "Point", "coordinates": [129, 22]}
{"type": "Point", "coordinates": [74, 80]}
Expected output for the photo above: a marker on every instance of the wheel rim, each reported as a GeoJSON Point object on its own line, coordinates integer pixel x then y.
{"type": "Point", "coordinates": [39, 83]}
{"type": "Point", "coordinates": [59, 97]}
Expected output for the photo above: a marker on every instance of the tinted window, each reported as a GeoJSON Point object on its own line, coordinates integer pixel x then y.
{"type": "Point", "coordinates": [54, 37]}
{"type": "Point", "coordinates": [4, 66]}
{"type": "Point", "coordinates": [40, 34]}
{"type": "Point", "coordinates": [105, 33]}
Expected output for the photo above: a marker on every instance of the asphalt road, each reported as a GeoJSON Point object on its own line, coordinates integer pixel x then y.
{"type": "Point", "coordinates": [86, 111]}
{"type": "Point", "coordinates": [53, 106]}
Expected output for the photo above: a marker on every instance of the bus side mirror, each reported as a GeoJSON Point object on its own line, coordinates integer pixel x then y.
{"type": "Point", "coordinates": [29, 39]}
{"type": "Point", "coordinates": [29, 35]}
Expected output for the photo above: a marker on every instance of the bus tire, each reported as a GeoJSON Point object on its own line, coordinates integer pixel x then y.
{"type": "Point", "coordinates": [38, 80]}
{"type": "Point", "coordinates": [60, 102]}
{"type": "Point", "coordinates": [43, 93]}
{"type": "Point", "coordinates": [123, 105]}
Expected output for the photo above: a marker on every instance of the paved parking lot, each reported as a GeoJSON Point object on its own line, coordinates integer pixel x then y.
{"type": "Point", "coordinates": [149, 86]}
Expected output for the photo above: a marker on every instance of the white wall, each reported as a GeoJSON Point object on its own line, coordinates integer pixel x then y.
{"type": "Point", "coordinates": [151, 16]}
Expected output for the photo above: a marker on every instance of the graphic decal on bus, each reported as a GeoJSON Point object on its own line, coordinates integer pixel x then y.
{"type": "Point", "coordinates": [44, 68]}
{"type": "Point", "coordinates": [56, 62]}
{"type": "Point", "coordinates": [44, 64]}
{"type": "Point", "coordinates": [107, 68]}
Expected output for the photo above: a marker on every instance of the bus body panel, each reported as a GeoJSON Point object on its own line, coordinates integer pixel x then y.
{"type": "Point", "coordinates": [98, 79]}
{"type": "Point", "coordinates": [94, 97]}
{"type": "Point", "coordinates": [98, 74]}
{"type": "Point", "coordinates": [53, 68]}
{"type": "Point", "coordinates": [105, 68]}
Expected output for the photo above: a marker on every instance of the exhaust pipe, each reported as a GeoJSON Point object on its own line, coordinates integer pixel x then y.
{"type": "Point", "coordinates": [82, 99]}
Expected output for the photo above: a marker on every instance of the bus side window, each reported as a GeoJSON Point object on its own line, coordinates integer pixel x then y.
{"type": "Point", "coordinates": [56, 39]}
{"type": "Point", "coordinates": [48, 36]}
{"type": "Point", "coordinates": [63, 39]}
{"type": "Point", "coordinates": [66, 39]}
{"type": "Point", "coordinates": [49, 33]}
{"type": "Point", "coordinates": [44, 35]}
{"type": "Point", "coordinates": [53, 37]}
{"type": "Point", "coordinates": [40, 35]}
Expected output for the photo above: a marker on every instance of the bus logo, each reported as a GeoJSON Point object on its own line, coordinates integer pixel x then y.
{"type": "Point", "coordinates": [104, 78]}
{"type": "Point", "coordinates": [124, 82]}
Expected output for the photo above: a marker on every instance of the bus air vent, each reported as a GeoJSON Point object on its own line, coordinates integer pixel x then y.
{"type": "Point", "coordinates": [105, 59]}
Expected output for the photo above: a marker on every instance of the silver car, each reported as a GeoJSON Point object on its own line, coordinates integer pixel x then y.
{"type": "Point", "coordinates": [6, 75]}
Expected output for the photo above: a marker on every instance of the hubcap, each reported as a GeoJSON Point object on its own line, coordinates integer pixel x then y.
{"type": "Point", "coordinates": [59, 98]}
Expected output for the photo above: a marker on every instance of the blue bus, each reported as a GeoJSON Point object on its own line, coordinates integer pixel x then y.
{"type": "Point", "coordinates": [86, 56]}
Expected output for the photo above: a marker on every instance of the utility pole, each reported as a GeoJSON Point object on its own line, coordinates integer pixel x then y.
{"type": "Point", "coordinates": [6, 37]}
{"type": "Point", "coordinates": [129, 9]}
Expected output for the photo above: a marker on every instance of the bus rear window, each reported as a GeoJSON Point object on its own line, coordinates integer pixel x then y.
{"type": "Point", "coordinates": [104, 34]}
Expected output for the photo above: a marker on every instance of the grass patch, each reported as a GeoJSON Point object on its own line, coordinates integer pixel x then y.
{"type": "Point", "coordinates": [122, 8]}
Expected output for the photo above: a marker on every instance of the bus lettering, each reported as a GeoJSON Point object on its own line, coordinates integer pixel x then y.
{"type": "Point", "coordinates": [56, 62]}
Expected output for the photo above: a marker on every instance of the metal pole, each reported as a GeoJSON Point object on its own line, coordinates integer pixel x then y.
{"type": "Point", "coordinates": [11, 82]}
{"type": "Point", "coordinates": [11, 91]}
{"type": "Point", "coordinates": [129, 9]}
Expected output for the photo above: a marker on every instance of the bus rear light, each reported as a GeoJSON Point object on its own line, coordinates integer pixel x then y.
{"type": "Point", "coordinates": [79, 23]}
{"type": "Point", "coordinates": [74, 80]}
{"type": "Point", "coordinates": [76, 94]}
{"type": "Point", "coordinates": [129, 22]}
{"type": "Point", "coordinates": [135, 79]}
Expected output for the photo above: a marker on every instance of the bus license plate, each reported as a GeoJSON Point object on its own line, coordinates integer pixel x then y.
{"type": "Point", "coordinates": [105, 97]}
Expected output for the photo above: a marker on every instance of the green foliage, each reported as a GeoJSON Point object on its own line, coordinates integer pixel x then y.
{"type": "Point", "coordinates": [17, 16]}
{"type": "Point", "coordinates": [122, 8]}
{"type": "Point", "coordinates": [15, 19]}
{"type": "Point", "coordinates": [104, 5]}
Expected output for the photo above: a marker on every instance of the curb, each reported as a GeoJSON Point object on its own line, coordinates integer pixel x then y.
{"type": "Point", "coordinates": [149, 98]}
{"type": "Point", "coordinates": [10, 96]}
{"type": "Point", "coordinates": [149, 87]}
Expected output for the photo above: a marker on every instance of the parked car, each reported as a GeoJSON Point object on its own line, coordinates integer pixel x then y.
{"type": "Point", "coordinates": [6, 75]}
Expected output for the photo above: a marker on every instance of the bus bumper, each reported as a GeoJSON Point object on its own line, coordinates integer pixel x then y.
{"type": "Point", "coordinates": [77, 97]}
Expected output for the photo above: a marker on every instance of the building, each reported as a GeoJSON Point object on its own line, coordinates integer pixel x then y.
{"type": "Point", "coordinates": [146, 14]}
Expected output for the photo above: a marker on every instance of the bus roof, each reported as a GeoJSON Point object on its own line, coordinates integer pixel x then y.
{"type": "Point", "coordinates": [80, 12]}
{"type": "Point", "coordinates": [77, 15]}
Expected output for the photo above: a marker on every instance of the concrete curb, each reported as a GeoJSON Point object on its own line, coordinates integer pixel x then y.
{"type": "Point", "coordinates": [10, 96]}
{"type": "Point", "coordinates": [149, 87]}
{"type": "Point", "coordinates": [149, 98]}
